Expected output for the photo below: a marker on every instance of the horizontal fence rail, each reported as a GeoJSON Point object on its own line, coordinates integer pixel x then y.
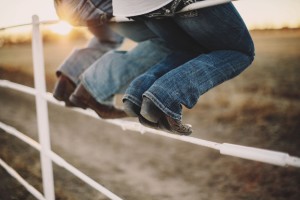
{"type": "Point", "coordinates": [251, 153]}
{"type": "Point", "coordinates": [47, 155]}
{"type": "Point", "coordinates": [46, 22]}
{"type": "Point", "coordinates": [21, 180]}
{"type": "Point", "coordinates": [58, 160]}
{"type": "Point", "coordinates": [262, 155]}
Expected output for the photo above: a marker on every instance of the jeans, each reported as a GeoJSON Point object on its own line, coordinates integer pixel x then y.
{"type": "Point", "coordinates": [112, 73]}
{"type": "Point", "coordinates": [79, 60]}
{"type": "Point", "coordinates": [105, 72]}
{"type": "Point", "coordinates": [219, 44]}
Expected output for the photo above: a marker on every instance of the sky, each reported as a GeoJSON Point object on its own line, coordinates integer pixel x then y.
{"type": "Point", "coordinates": [256, 13]}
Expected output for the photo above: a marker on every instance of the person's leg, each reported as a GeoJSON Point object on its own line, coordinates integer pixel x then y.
{"type": "Point", "coordinates": [103, 41]}
{"type": "Point", "coordinates": [182, 51]}
{"type": "Point", "coordinates": [185, 84]}
{"type": "Point", "coordinates": [143, 82]}
{"type": "Point", "coordinates": [222, 34]}
{"type": "Point", "coordinates": [115, 70]}
{"type": "Point", "coordinates": [111, 73]}
{"type": "Point", "coordinates": [80, 59]}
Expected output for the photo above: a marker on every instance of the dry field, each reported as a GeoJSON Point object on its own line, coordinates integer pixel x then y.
{"type": "Point", "coordinates": [260, 108]}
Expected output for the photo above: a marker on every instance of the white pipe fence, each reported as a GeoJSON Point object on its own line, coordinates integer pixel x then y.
{"type": "Point", "coordinates": [42, 109]}
{"type": "Point", "coordinates": [257, 154]}
{"type": "Point", "coordinates": [57, 159]}
{"type": "Point", "coordinates": [44, 146]}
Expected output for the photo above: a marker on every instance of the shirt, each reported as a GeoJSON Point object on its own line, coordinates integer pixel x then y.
{"type": "Point", "coordinates": [84, 12]}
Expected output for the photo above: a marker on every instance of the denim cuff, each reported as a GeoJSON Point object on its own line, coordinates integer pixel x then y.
{"type": "Point", "coordinates": [66, 73]}
{"type": "Point", "coordinates": [110, 101]}
{"type": "Point", "coordinates": [133, 99]}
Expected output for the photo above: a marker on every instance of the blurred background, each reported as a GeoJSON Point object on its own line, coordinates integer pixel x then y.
{"type": "Point", "coordinates": [259, 108]}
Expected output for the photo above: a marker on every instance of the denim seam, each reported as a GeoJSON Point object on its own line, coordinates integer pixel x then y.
{"type": "Point", "coordinates": [161, 106]}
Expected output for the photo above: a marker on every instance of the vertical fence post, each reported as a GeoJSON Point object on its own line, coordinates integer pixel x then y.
{"type": "Point", "coordinates": [42, 109]}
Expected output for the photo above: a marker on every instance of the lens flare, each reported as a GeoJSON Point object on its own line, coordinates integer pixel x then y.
{"type": "Point", "coordinates": [61, 28]}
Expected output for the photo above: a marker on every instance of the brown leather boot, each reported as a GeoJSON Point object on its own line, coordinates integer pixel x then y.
{"type": "Point", "coordinates": [174, 126]}
{"type": "Point", "coordinates": [82, 98]}
{"type": "Point", "coordinates": [63, 89]}
{"type": "Point", "coordinates": [168, 124]}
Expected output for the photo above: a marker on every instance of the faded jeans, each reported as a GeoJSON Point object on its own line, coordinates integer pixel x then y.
{"type": "Point", "coordinates": [220, 46]}
{"type": "Point", "coordinates": [105, 72]}
{"type": "Point", "coordinates": [79, 60]}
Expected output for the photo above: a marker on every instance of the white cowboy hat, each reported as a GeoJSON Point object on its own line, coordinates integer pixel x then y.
{"type": "Point", "coordinates": [129, 8]}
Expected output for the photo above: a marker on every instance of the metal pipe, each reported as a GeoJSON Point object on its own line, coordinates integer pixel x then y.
{"type": "Point", "coordinates": [42, 109]}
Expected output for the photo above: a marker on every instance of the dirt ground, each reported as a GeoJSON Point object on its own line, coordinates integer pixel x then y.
{"type": "Point", "coordinates": [260, 108]}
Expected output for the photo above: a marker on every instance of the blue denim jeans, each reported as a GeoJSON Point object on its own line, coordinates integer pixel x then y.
{"type": "Point", "coordinates": [112, 73]}
{"type": "Point", "coordinates": [105, 72]}
{"type": "Point", "coordinates": [79, 60]}
{"type": "Point", "coordinates": [220, 46]}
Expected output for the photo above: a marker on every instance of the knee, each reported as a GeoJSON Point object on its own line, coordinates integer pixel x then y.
{"type": "Point", "coordinates": [251, 52]}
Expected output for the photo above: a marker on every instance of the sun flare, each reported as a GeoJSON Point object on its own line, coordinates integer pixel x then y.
{"type": "Point", "coordinates": [62, 28]}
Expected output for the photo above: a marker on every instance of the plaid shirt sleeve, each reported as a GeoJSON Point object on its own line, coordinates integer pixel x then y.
{"type": "Point", "coordinates": [84, 12]}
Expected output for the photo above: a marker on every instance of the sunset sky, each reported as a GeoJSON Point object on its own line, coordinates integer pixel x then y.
{"type": "Point", "coordinates": [256, 13]}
